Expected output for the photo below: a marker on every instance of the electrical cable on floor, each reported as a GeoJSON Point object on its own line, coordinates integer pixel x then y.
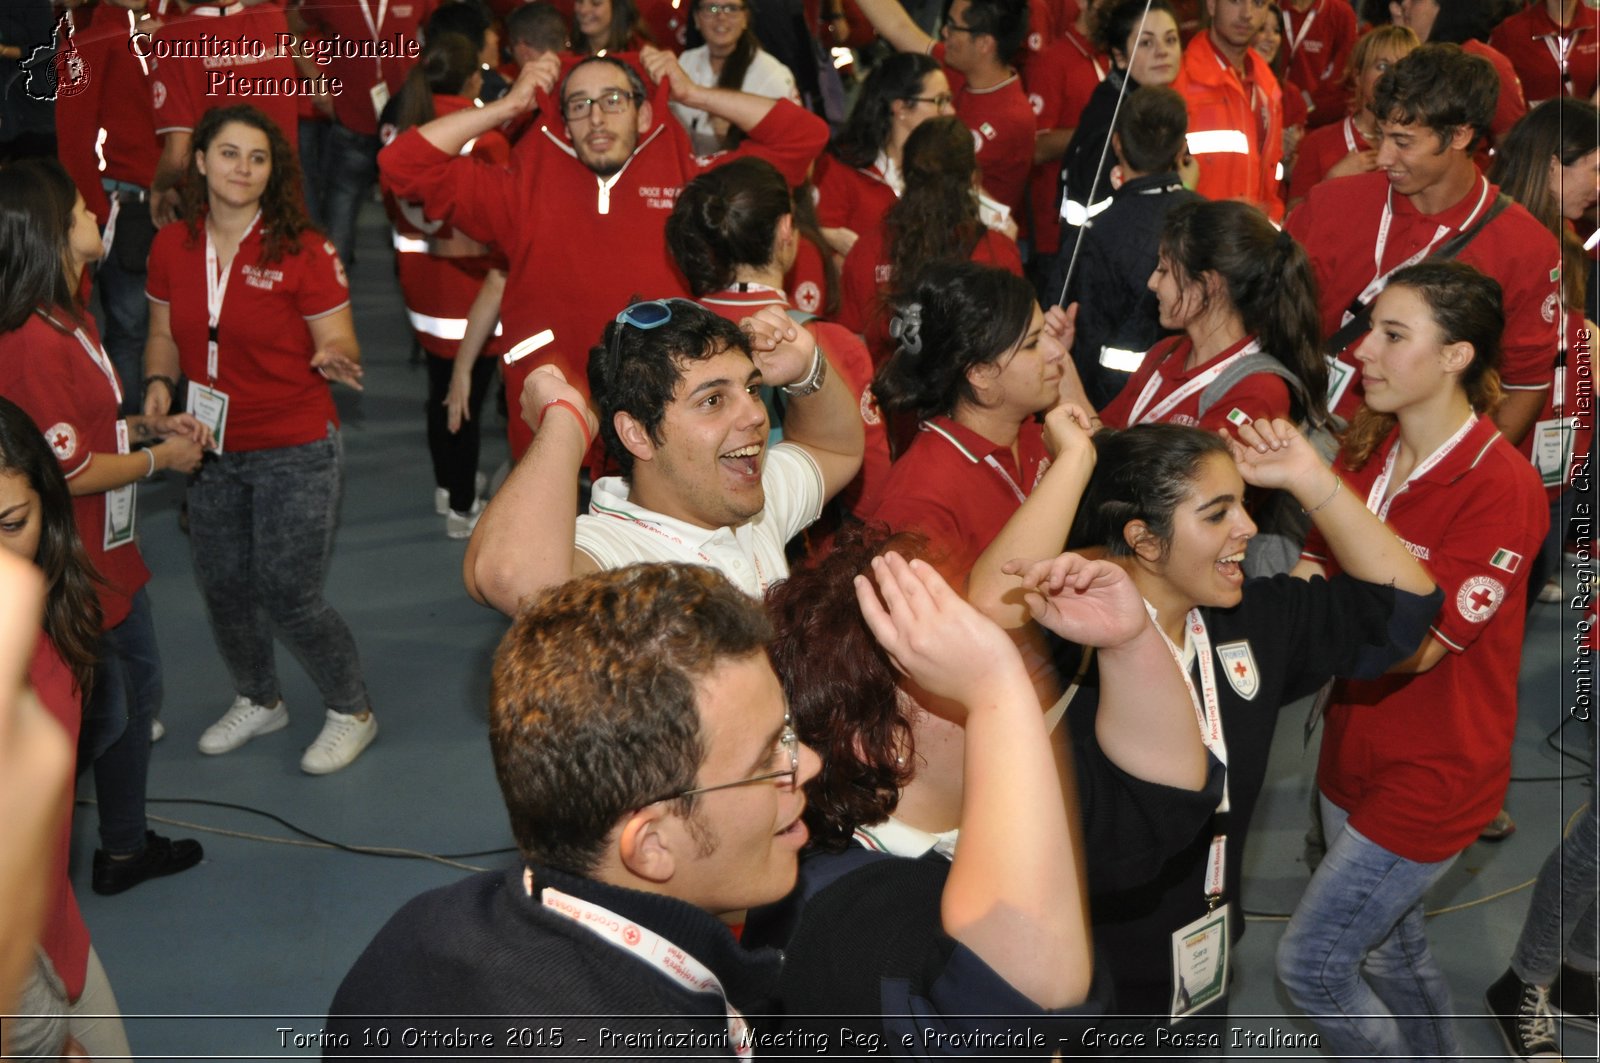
{"type": "Point", "coordinates": [1283, 917]}
{"type": "Point", "coordinates": [315, 841]}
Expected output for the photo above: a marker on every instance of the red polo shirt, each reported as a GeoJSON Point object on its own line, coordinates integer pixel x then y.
{"type": "Point", "coordinates": [807, 281]}
{"type": "Point", "coordinates": [1512, 104]}
{"type": "Point", "coordinates": [1421, 762]}
{"type": "Point", "coordinates": [1258, 395]}
{"type": "Point", "coordinates": [958, 489]}
{"type": "Point", "coordinates": [275, 398]}
{"type": "Point", "coordinates": [64, 937]}
{"type": "Point", "coordinates": [1319, 40]}
{"type": "Point", "coordinates": [848, 198]}
{"type": "Point", "coordinates": [1338, 226]}
{"type": "Point", "coordinates": [849, 358]}
{"type": "Point", "coordinates": [392, 24]}
{"type": "Point", "coordinates": [181, 87]}
{"type": "Point", "coordinates": [116, 104]}
{"type": "Point", "coordinates": [1319, 150]}
{"type": "Point", "coordinates": [47, 372]}
{"type": "Point", "coordinates": [1536, 46]}
{"type": "Point", "coordinates": [1060, 80]}
{"type": "Point", "coordinates": [1002, 127]}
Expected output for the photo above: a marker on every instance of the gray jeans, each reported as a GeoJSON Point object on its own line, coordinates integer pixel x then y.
{"type": "Point", "coordinates": [261, 532]}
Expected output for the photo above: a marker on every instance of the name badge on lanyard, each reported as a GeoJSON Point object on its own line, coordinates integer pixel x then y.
{"type": "Point", "coordinates": [1380, 276]}
{"type": "Point", "coordinates": [1200, 949]}
{"type": "Point", "coordinates": [208, 404]}
{"type": "Point", "coordinates": [380, 89]}
{"type": "Point", "coordinates": [120, 502]}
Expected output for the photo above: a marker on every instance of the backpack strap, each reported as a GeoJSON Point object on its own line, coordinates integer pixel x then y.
{"type": "Point", "coordinates": [1249, 366]}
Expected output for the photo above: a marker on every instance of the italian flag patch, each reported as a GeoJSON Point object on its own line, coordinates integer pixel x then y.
{"type": "Point", "coordinates": [1506, 561]}
{"type": "Point", "coordinates": [1238, 418]}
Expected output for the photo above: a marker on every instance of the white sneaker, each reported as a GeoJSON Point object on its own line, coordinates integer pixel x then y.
{"type": "Point", "coordinates": [343, 738]}
{"type": "Point", "coordinates": [1551, 591]}
{"type": "Point", "coordinates": [460, 525]}
{"type": "Point", "coordinates": [441, 495]}
{"type": "Point", "coordinates": [244, 721]}
{"type": "Point", "coordinates": [158, 730]}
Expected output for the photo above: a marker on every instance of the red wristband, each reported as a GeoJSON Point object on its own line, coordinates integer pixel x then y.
{"type": "Point", "coordinates": [583, 422]}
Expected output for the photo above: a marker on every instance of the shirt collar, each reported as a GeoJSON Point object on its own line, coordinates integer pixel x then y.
{"type": "Point", "coordinates": [609, 498]}
{"type": "Point", "coordinates": [901, 839]}
{"type": "Point", "coordinates": [970, 444]}
{"type": "Point", "coordinates": [1181, 352]}
{"type": "Point", "coordinates": [1464, 456]}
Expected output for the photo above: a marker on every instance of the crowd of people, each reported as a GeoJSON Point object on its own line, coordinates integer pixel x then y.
{"type": "Point", "coordinates": [929, 429]}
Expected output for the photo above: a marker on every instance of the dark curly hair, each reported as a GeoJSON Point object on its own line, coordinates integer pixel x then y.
{"type": "Point", "coordinates": [936, 220]}
{"type": "Point", "coordinates": [283, 213]}
{"type": "Point", "coordinates": [969, 315]}
{"type": "Point", "coordinates": [1441, 87]}
{"type": "Point", "coordinates": [842, 687]}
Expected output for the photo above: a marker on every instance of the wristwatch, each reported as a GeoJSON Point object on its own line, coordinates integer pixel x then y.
{"type": "Point", "coordinates": [812, 383]}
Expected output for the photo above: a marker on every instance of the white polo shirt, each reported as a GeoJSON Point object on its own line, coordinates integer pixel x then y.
{"type": "Point", "coordinates": [615, 532]}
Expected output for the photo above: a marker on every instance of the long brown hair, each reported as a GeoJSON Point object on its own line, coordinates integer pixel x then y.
{"type": "Point", "coordinates": [71, 611]}
{"type": "Point", "coordinates": [1565, 130]}
{"type": "Point", "coordinates": [1465, 305]}
{"type": "Point", "coordinates": [936, 220]}
{"type": "Point", "coordinates": [36, 204]}
{"type": "Point", "coordinates": [283, 212]}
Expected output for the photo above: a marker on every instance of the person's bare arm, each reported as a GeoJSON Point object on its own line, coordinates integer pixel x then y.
{"type": "Point", "coordinates": [338, 355]}
{"type": "Point", "coordinates": [160, 360]}
{"type": "Point", "coordinates": [827, 424]}
{"type": "Point", "coordinates": [482, 317]}
{"type": "Point", "coordinates": [743, 109]}
{"type": "Point", "coordinates": [1517, 413]}
{"type": "Point", "coordinates": [450, 133]}
{"type": "Point", "coordinates": [1014, 894]}
{"type": "Point", "coordinates": [1049, 145]}
{"type": "Point", "coordinates": [523, 541]}
{"type": "Point", "coordinates": [170, 168]}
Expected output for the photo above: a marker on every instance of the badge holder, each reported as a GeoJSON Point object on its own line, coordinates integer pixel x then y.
{"type": "Point", "coordinates": [120, 502]}
{"type": "Point", "coordinates": [210, 408]}
{"type": "Point", "coordinates": [1200, 962]}
{"type": "Point", "coordinates": [1552, 449]}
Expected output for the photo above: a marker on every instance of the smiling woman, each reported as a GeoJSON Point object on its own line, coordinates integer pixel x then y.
{"type": "Point", "coordinates": [730, 58]}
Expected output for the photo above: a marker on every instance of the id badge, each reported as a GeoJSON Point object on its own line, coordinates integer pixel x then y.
{"type": "Point", "coordinates": [1339, 377]}
{"type": "Point", "coordinates": [380, 98]}
{"type": "Point", "coordinates": [210, 407]}
{"type": "Point", "coordinates": [120, 502]}
{"type": "Point", "coordinates": [1200, 963]}
{"type": "Point", "coordinates": [1552, 449]}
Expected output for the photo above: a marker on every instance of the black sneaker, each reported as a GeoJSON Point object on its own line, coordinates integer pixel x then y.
{"type": "Point", "coordinates": [1523, 1014]}
{"type": "Point", "coordinates": [160, 856]}
{"type": "Point", "coordinates": [1573, 996]}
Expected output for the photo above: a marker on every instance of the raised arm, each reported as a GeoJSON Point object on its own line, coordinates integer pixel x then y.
{"type": "Point", "coordinates": [1274, 454]}
{"type": "Point", "coordinates": [1039, 526]}
{"type": "Point", "coordinates": [825, 423]}
{"type": "Point", "coordinates": [1013, 896]}
{"type": "Point", "coordinates": [892, 23]}
{"type": "Point", "coordinates": [1146, 720]}
{"type": "Point", "coordinates": [523, 541]}
{"type": "Point", "coordinates": [450, 133]}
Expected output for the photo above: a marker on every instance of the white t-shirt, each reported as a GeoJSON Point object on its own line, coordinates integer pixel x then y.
{"type": "Point", "coordinates": [765, 77]}
{"type": "Point", "coordinates": [615, 532]}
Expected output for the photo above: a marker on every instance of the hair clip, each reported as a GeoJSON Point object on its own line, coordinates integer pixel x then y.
{"type": "Point", "coordinates": [906, 328]}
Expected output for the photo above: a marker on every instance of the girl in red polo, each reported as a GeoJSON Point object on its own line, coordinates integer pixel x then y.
{"type": "Point", "coordinates": [1416, 763]}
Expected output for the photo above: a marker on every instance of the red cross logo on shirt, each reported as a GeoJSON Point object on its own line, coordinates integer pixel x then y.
{"type": "Point", "coordinates": [1479, 598]}
{"type": "Point", "coordinates": [1482, 599]}
{"type": "Point", "coordinates": [60, 440]}
{"type": "Point", "coordinates": [1241, 670]}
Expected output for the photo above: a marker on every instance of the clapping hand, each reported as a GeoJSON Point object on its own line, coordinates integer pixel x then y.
{"type": "Point", "coordinates": [1091, 603]}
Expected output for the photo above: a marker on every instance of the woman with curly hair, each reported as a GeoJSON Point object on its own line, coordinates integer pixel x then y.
{"type": "Point", "coordinates": [937, 219]}
{"type": "Point", "coordinates": [53, 366]}
{"type": "Point", "coordinates": [252, 305]}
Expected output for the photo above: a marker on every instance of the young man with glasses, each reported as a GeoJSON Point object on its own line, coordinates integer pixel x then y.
{"type": "Point", "coordinates": [677, 387]}
{"type": "Point", "coordinates": [980, 37]}
{"type": "Point", "coordinates": [581, 214]}
{"type": "Point", "coordinates": [653, 783]}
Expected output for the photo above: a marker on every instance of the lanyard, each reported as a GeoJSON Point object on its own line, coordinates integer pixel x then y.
{"type": "Point", "coordinates": [216, 291]}
{"type": "Point", "coordinates": [1295, 39]}
{"type": "Point", "coordinates": [373, 24]}
{"type": "Point", "coordinates": [1376, 501]}
{"type": "Point", "coordinates": [1094, 60]}
{"type": "Point", "coordinates": [1560, 45]}
{"type": "Point", "coordinates": [1380, 277]}
{"type": "Point", "coordinates": [1170, 403]}
{"type": "Point", "coordinates": [988, 459]}
{"type": "Point", "coordinates": [673, 962]}
{"type": "Point", "coordinates": [97, 355]}
{"type": "Point", "coordinates": [1350, 133]}
{"type": "Point", "coordinates": [1208, 714]}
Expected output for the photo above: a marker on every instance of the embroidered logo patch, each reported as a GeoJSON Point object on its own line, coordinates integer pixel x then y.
{"type": "Point", "coordinates": [1036, 101]}
{"type": "Point", "coordinates": [869, 407]}
{"type": "Point", "coordinates": [808, 296]}
{"type": "Point", "coordinates": [1238, 417]}
{"type": "Point", "coordinates": [1506, 561]}
{"type": "Point", "coordinates": [63, 440]}
{"type": "Point", "coordinates": [1479, 597]}
{"type": "Point", "coordinates": [1239, 665]}
{"type": "Point", "coordinates": [1548, 310]}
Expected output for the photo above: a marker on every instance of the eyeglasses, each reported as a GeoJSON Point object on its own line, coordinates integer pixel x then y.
{"type": "Point", "coordinates": [615, 101]}
{"type": "Point", "coordinates": [790, 743]}
{"type": "Point", "coordinates": [721, 9]}
{"type": "Point", "coordinates": [940, 102]}
{"type": "Point", "coordinates": [644, 316]}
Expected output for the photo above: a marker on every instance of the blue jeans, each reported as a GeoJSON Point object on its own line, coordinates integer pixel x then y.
{"type": "Point", "coordinates": [349, 164]}
{"type": "Point", "coordinates": [116, 725]}
{"type": "Point", "coordinates": [1561, 920]}
{"type": "Point", "coordinates": [261, 534]}
{"type": "Point", "coordinates": [1355, 956]}
{"type": "Point", "coordinates": [313, 144]}
{"type": "Point", "coordinates": [121, 284]}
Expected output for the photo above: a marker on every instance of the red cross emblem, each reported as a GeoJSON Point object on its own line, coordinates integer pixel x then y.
{"type": "Point", "coordinates": [1240, 670]}
{"type": "Point", "coordinates": [1481, 599]}
{"type": "Point", "coordinates": [60, 440]}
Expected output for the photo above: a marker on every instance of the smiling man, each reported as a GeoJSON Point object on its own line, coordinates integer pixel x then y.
{"type": "Point", "coordinates": [677, 387]}
{"type": "Point", "coordinates": [581, 213]}
{"type": "Point", "coordinates": [654, 783]}
{"type": "Point", "coordinates": [1434, 107]}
